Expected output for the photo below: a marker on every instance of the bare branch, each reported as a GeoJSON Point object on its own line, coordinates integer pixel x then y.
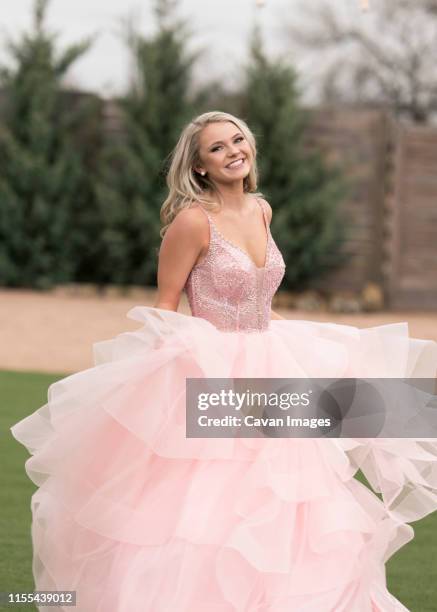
{"type": "Point", "coordinates": [389, 58]}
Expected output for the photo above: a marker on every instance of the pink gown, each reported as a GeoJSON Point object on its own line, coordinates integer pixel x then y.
{"type": "Point", "coordinates": [136, 517]}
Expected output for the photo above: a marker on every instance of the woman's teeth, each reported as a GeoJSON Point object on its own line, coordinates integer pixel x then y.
{"type": "Point", "coordinates": [236, 164]}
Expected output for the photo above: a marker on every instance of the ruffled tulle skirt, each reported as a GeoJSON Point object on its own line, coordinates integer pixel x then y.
{"type": "Point", "coordinates": [135, 517]}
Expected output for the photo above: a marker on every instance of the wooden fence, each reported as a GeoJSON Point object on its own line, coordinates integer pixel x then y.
{"type": "Point", "coordinates": [411, 273]}
{"type": "Point", "coordinates": [391, 213]}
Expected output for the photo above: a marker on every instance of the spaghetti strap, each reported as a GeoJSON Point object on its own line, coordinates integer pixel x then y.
{"type": "Point", "coordinates": [206, 213]}
{"type": "Point", "coordinates": [263, 208]}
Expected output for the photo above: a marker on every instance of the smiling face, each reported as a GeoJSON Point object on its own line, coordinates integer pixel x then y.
{"type": "Point", "coordinates": [225, 155]}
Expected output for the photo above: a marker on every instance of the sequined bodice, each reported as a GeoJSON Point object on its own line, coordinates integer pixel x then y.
{"type": "Point", "coordinates": [228, 289]}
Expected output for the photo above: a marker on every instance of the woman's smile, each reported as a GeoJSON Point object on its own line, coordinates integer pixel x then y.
{"type": "Point", "coordinates": [237, 163]}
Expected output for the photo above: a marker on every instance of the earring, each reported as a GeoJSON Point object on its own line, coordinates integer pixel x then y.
{"type": "Point", "coordinates": [202, 172]}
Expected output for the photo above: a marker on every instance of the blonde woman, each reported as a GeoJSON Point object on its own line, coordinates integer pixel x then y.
{"type": "Point", "coordinates": [134, 515]}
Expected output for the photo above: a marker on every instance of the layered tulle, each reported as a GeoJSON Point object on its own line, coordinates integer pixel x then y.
{"type": "Point", "coordinates": [134, 516]}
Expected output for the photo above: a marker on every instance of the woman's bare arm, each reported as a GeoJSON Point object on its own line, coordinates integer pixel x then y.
{"type": "Point", "coordinates": [183, 241]}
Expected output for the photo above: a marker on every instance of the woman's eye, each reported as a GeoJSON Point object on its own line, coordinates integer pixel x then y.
{"type": "Point", "coordinates": [216, 148]}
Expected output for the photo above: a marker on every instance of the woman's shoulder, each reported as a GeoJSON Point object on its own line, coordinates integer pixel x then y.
{"type": "Point", "coordinates": [266, 207]}
{"type": "Point", "coordinates": [191, 215]}
{"type": "Point", "coordinates": [190, 221]}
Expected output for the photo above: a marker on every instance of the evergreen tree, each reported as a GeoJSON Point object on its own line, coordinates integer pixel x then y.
{"type": "Point", "coordinates": [44, 187]}
{"type": "Point", "coordinates": [301, 189]}
{"type": "Point", "coordinates": [132, 186]}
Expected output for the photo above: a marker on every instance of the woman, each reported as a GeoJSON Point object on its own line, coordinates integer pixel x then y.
{"type": "Point", "coordinates": [136, 516]}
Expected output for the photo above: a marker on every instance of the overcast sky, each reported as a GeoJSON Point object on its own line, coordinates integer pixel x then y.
{"type": "Point", "coordinates": [221, 27]}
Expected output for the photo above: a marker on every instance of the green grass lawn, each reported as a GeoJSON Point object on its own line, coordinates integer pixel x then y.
{"type": "Point", "coordinates": [411, 574]}
{"type": "Point", "coordinates": [20, 394]}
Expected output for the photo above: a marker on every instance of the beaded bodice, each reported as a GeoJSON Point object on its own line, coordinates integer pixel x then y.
{"type": "Point", "coordinates": [228, 289]}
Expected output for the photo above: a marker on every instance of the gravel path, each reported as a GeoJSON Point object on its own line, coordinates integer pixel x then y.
{"type": "Point", "coordinates": [54, 331]}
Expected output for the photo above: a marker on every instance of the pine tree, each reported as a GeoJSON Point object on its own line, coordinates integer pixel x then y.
{"type": "Point", "coordinates": [43, 182]}
{"type": "Point", "coordinates": [153, 112]}
{"type": "Point", "coordinates": [302, 190]}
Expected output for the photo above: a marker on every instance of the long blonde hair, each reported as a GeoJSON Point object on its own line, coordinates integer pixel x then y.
{"type": "Point", "coordinates": [184, 183]}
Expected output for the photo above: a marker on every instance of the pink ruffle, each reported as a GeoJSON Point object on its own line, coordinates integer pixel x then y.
{"type": "Point", "coordinates": [135, 516]}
